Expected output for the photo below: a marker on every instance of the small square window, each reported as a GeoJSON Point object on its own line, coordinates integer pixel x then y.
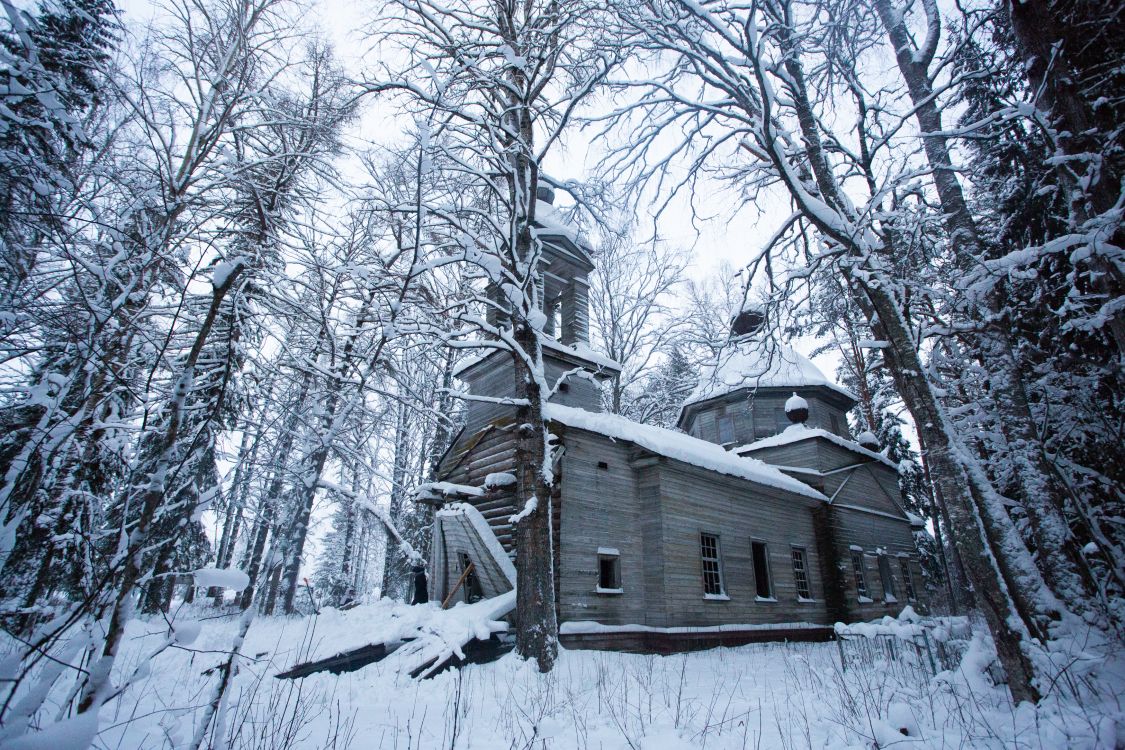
{"type": "Point", "coordinates": [857, 571]}
{"type": "Point", "coordinates": [712, 565]}
{"type": "Point", "coordinates": [763, 587]}
{"type": "Point", "coordinates": [801, 573]}
{"type": "Point", "coordinates": [609, 573]}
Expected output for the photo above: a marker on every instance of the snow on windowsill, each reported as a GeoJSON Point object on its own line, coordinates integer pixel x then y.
{"type": "Point", "coordinates": [803, 600]}
{"type": "Point", "coordinates": [600, 590]}
{"type": "Point", "coordinates": [608, 551]}
{"type": "Point", "coordinates": [890, 599]}
{"type": "Point", "coordinates": [765, 599]}
{"type": "Point", "coordinates": [866, 600]}
{"type": "Point", "coordinates": [716, 598]}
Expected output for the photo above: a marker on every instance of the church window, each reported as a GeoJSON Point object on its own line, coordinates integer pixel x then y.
{"type": "Point", "coordinates": [707, 426]}
{"type": "Point", "coordinates": [609, 571]}
{"type": "Point", "coordinates": [886, 577]}
{"type": "Point", "coordinates": [763, 586]}
{"type": "Point", "coordinates": [801, 573]}
{"type": "Point", "coordinates": [907, 578]}
{"type": "Point", "coordinates": [857, 571]}
{"type": "Point", "coordinates": [712, 565]}
{"type": "Point", "coordinates": [835, 419]}
{"type": "Point", "coordinates": [726, 430]}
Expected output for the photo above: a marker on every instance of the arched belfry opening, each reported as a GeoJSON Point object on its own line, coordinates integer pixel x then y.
{"type": "Point", "coordinates": [563, 275]}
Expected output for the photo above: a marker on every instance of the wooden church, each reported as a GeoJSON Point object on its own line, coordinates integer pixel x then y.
{"type": "Point", "coordinates": [760, 518]}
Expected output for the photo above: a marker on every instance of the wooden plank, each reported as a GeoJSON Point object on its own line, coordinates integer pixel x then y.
{"type": "Point", "coordinates": [673, 643]}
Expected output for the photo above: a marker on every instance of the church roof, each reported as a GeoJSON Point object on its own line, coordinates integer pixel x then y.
{"type": "Point", "coordinates": [760, 365]}
{"type": "Point", "coordinates": [678, 446]}
{"type": "Point", "coordinates": [798, 432]}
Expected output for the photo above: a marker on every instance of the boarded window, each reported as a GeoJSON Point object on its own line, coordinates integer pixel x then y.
{"type": "Point", "coordinates": [907, 578]}
{"type": "Point", "coordinates": [609, 572]}
{"type": "Point", "coordinates": [762, 585]}
{"type": "Point", "coordinates": [726, 430]}
{"type": "Point", "coordinates": [706, 426]}
{"type": "Point", "coordinates": [836, 424]}
{"type": "Point", "coordinates": [886, 577]}
{"type": "Point", "coordinates": [857, 571]}
{"type": "Point", "coordinates": [801, 573]}
{"type": "Point", "coordinates": [712, 566]}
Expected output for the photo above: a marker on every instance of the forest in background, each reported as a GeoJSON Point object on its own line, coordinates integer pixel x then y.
{"type": "Point", "coordinates": [224, 308]}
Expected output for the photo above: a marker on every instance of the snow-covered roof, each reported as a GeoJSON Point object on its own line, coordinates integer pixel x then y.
{"type": "Point", "coordinates": [550, 222]}
{"type": "Point", "coordinates": [760, 365]}
{"type": "Point", "coordinates": [437, 490]}
{"type": "Point", "coordinates": [797, 432]}
{"type": "Point", "coordinates": [580, 349]}
{"type": "Point", "coordinates": [678, 446]}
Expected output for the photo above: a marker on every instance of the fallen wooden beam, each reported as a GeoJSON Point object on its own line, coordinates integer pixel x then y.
{"type": "Point", "coordinates": [348, 661]}
{"type": "Point", "coordinates": [476, 652]}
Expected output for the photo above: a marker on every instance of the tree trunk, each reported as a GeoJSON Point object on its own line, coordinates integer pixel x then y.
{"type": "Point", "coordinates": [267, 505]}
{"type": "Point", "coordinates": [131, 554]}
{"type": "Point", "coordinates": [537, 628]}
{"type": "Point", "coordinates": [973, 507]}
{"type": "Point", "coordinates": [396, 570]}
{"type": "Point", "coordinates": [1043, 496]}
{"type": "Point", "coordinates": [1040, 39]}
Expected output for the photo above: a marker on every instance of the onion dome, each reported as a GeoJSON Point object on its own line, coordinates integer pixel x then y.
{"type": "Point", "coordinates": [868, 440]}
{"type": "Point", "coordinates": [797, 409]}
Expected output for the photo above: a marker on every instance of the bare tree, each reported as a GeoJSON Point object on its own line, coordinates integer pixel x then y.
{"type": "Point", "coordinates": [503, 84]}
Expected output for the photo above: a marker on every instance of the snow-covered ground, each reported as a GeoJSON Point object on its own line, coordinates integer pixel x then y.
{"type": "Point", "coordinates": [758, 696]}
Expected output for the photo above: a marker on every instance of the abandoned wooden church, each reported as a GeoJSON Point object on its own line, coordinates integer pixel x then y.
{"type": "Point", "coordinates": [762, 519]}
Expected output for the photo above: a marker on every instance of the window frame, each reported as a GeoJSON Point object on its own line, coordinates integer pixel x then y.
{"type": "Point", "coordinates": [717, 561]}
{"type": "Point", "coordinates": [803, 572]}
{"type": "Point", "coordinates": [908, 579]}
{"type": "Point", "coordinates": [612, 556]}
{"type": "Point", "coordinates": [708, 425]}
{"type": "Point", "coordinates": [728, 420]}
{"type": "Point", "coordinates": [859, 575]}
{"type": "Point", "coordinates": [887, 578]}
{"type": "Point", "coordinates": [765, 547]}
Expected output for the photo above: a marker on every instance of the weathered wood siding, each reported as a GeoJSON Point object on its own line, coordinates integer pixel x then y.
{"type": "Point", "coordinates": [602, 507]}
{"type": "Point", "coordinates": [738, 512]}
{"type": "Point", "coordinates": [455, 536]}
{"type": "Point", "coordinates": [474, 457]}
{"type": "Point", "coordinates": [803, 454]}
{"type": "Point", "coordinates": [760, 413]}
{"type": "Point", "coordinates": [875, 534]}
{"type": "Point", "coordinates": [653, 510]}
{"type": "Point", "coordinates": [495, 378]}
